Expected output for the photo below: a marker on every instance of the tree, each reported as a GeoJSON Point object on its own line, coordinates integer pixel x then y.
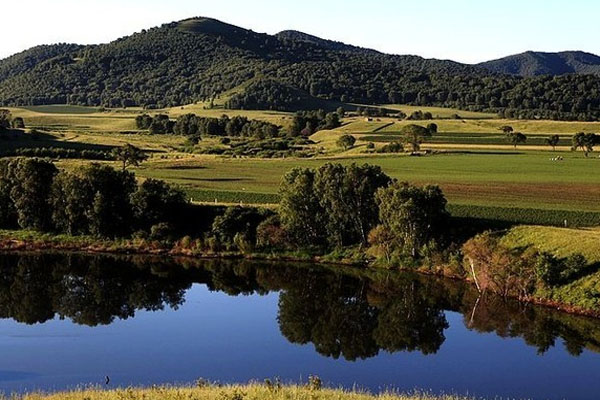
{"type": "Point", "coordinates": [5, 118]}
{"type": "Point", "coordinates": [516, 138]}
{"type": "Point", "coordinates": [506, 129]}
{"type": "Point", "coordinates": [433, 128]}
{"type": "Point", "coordinates": [129, 155]}
{"type": "Point", "coordinates": [18, 123]}
{"type": "Point", "coordinates": [8, 213]}
{"type": "Point", "coordinates": [585, 141]}
{"type": "Point", "coordinates": [156, 201]}
{"type": "Point", "coordinates": [341, 112]}
{"type": "Point", "coordinates": [143, 121]}
{"type": "Point", "coordinates": [553, 141]}
{"type": "Point", "coordinates": [301, 213]}
{"type": "Point", "coordinates": [415, 135]}
{"type": "Point", "coordinates": [71, 199]}
{"type": "Point", "coordinates": [186, 124]}
{"type": "Point", "coordinates": [332, 121]}
{"type": "Point", "coordinates": [347, 196]}
{"type": "Point", "coordinates": [346, 141]}
{"type": "Point", "coordinates": [30, 191]}
{"type": "Point", "coordinates": [110, 213]}
{"type": "Point", "coordinates": [413, 215]}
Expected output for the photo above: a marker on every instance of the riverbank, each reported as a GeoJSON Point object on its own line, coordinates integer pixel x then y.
{"type": "Point", "coordinates": [234, 392]}
{"type": "Point", "coordinates": [580, 296]}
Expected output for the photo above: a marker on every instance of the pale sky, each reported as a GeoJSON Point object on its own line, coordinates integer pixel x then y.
{"type": "Point", "coordinates": [463, 30]}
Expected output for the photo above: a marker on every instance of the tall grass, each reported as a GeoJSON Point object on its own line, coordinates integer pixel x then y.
{"type": "Point", "coordinates": [234, 392]}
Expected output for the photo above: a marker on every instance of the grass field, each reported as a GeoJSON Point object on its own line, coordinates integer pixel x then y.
{"type": "Point", "coordinates": [476, 167]}
{"type": "Point", "coordinates": [234, 392]}
{"type": "Point", "coordinates": [527, 180]}
{"type": "Point", "coordinates": [561, 242]}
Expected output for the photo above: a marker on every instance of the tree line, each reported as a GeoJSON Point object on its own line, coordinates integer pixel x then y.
{"type": "Point", "coordinates": [193, 125]}
{"type": "Point", "coordinates": [91, 200]}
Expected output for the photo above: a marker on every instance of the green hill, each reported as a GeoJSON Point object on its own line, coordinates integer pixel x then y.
{"type": "Point", "coordinates": [534, 63]}
{"type": "Point", "coordinates": [201, 58]}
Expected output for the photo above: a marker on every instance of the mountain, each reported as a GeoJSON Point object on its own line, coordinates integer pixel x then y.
{"type": "Point", "coordinates": [202, 58]}
{"type": "Point", "coordinates": [534, 63]}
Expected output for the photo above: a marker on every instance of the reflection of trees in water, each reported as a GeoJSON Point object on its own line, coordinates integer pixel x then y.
{"type": "Point", "coordinates": [538, 326]}
{"type": "Point", "coordinates": [344, 313]}
{"type": "Point", "coordinates": [89, 290]}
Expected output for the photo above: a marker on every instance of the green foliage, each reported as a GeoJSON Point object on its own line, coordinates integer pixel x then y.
{"type": "Point", "coordinates": [346, 141]}
{"type": "Point", "coordinates": [143, 121]}
{"type": "Point", "coordinates": [347, 195]}
{"type": "Point", "coordinates": [160, 125]}
{"type": "Point", "coordinates": [30, 187]}
{"type": "Point", "coordinates": [392, 147]}
{"type": "Point", "coordinates": [5, 119]}
{"type": "Point", "coordinates": [129, 155]}
{"type": "Point", "coordinates": [275, 72]}
{"type": "Point", "coordinates": [415, 135]}
{"type": "Point", "coordinates": [236, 228]}
{"type": "Point", "coordinates": [414, 216]}
{"type": "Point", "coordinates": [552, 141]}
{"type": "Point", "coordinates": [156, 202]}
{"type": "Point", "coordinates": [17, 123]}
{"type": "Point", "coordinates": [333, 205]}
{"type": "Point", "coordinates": [8, 213]}
{"type": "Point", "coordinates": [299, 208]}
{"type": "Point", "coordinates": [516, 138]}
{"type": "Point", "coordinates": [585, 142]}
{"type": "Point", "coordinates": [308, 122]}
{"type": "Point", "coordinates": [59, 152]}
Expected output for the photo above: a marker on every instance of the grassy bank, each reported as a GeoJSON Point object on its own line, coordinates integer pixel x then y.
{"type": "Point", "coordinates": [235, 392]}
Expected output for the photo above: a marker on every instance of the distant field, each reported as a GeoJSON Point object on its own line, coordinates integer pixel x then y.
{"type": "Point", "coordinates": [527, 180]}
{"type": "Point", "coordinates": [62, 109]}
{"type": "Point", "coordinates": [481, 170]}
{"type": "Point", "coordinates": [439, 112]}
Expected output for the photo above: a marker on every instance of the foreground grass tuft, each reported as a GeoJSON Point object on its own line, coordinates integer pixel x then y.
{"type": "Point", "coordinates": [235, 392]}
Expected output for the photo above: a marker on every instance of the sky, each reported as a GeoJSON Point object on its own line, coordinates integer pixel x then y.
{"type": "Point", "coordinates": [469, 31]}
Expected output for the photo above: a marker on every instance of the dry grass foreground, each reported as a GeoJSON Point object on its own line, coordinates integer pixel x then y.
{"type": "Point", "coordinates": [245, 392]}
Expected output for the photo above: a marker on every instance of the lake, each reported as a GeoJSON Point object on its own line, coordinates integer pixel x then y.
{"type": "Point", "coordinates": [68, 320]}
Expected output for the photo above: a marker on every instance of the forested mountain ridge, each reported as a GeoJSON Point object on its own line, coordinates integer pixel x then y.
{"type": "Point", "coordinates": [533, 63]}
{"type": "Point", "coordinates": [200, 58]}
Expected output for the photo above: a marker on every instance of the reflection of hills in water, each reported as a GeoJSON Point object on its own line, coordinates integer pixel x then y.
{"type": "Point", "coordinates": [351, 313]}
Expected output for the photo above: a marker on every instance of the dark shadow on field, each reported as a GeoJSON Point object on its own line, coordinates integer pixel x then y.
{"type": "Point", "coordinates": [182, 167]}
{"type": "Point", "coordinates": [18, 139]}
{"type": "Point", "coordinates": [481, 152]}
{"type": "Point", "coordinates": [14, 139]}
{"type": "Point", "coordinates": [214, 179]}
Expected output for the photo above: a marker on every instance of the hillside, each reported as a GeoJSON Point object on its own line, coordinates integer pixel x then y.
{"type": "Point", "coordinates": [199, 59]}
{"type": "Point", "coordinates": [534, 63]}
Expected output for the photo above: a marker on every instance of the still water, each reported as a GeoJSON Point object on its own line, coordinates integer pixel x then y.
{"type": "Point", "coordinates": [71, 320]}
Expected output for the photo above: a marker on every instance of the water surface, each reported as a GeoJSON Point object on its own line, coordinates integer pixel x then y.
{"type": "Point", "coordinates": [70, 320]}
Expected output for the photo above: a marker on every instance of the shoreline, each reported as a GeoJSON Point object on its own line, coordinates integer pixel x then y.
{"type": "Point", "coordinates": [32, 242]}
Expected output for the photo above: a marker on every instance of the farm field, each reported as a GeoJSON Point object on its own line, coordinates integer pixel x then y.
{"type": "Point", "coordinates": [501, 179]}
{"type": "Point", "coordinates": [475, 167]}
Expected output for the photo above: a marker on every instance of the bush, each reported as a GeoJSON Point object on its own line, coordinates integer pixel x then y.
{"type": "Point", "coordinates": [162, 232]}
{"type": "Point", "coordinates": [271, 235]}
{"type": "Point", "coordinates": [238, 220]}
{"type": "Point", "coordinates": [393, 147]}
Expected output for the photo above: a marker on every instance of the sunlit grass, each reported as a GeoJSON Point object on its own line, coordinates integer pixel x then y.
{"type": "Point", "coordinates": [234, 392]}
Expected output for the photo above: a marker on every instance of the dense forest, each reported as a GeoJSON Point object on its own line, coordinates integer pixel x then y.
{"type": "Point", "coordinates": [200, 59]}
